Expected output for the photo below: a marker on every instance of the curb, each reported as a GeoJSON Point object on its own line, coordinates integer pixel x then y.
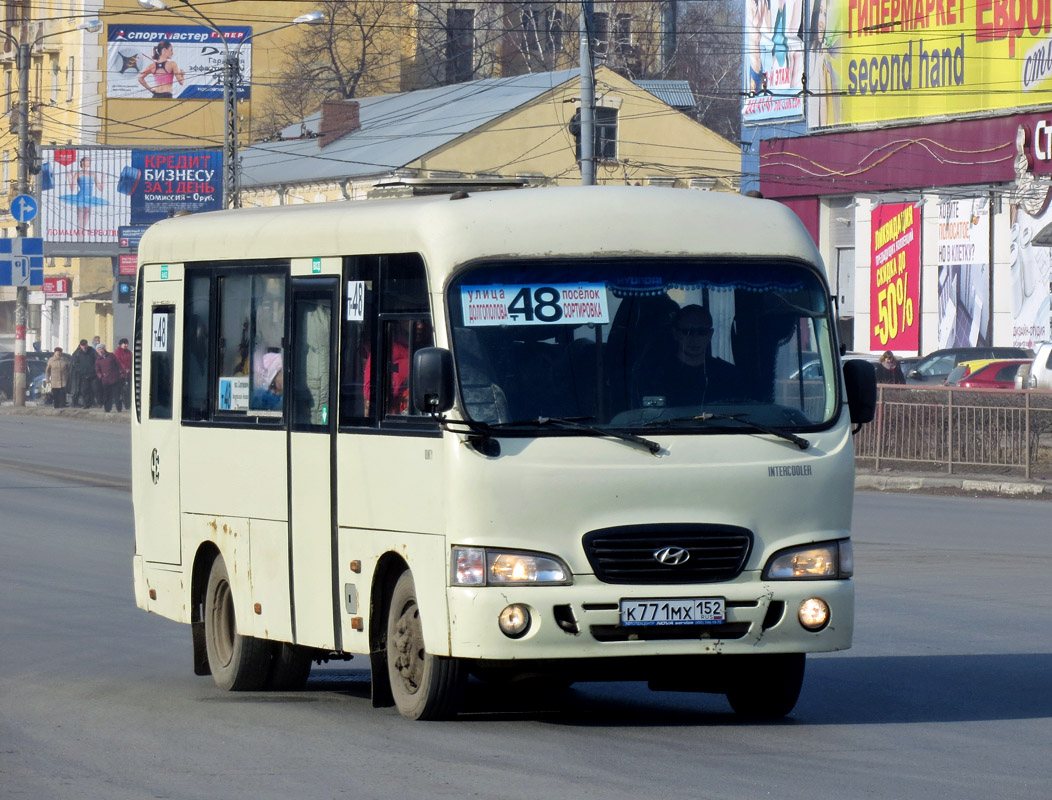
{"type": "Point", "coordinates": [924, 483]}
{"type": "Point", "coordinates": [69, 412]}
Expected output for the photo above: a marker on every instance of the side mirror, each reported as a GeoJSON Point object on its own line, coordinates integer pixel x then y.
{"type": "Point", "coordinates": [432, 380]}
{"type": "Point", "coordinates": [915, 374]}
{"type": "Point", "coordinates": [860, 377]}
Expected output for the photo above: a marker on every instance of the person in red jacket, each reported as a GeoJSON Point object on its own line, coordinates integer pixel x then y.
{"type": "Point", "coordinates": [108, 371]}
{"type": "Point", "coordinates": [124, 357]}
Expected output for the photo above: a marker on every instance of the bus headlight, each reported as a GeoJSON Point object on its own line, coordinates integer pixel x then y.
{"type": "Point", "coordinates": [824, 561]}
{"type": "Point", "coordinates": [478, 566]}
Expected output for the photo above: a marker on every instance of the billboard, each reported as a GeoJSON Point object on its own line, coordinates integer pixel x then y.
{"type": "Point", "coordinates": [881, 60]}
{"type": "Point", "coordinates": [894, 295]}
{"type": "Point", "coordinates": [88, 194]}
{"type": "Point", "coordinates": [1030, 279]}
{"type": "Point", "coordinates": [964, 273]}
{"type": "Point", "coordinates": [174, 61]}
{"type": "Point", "coordinates": [774, 60]}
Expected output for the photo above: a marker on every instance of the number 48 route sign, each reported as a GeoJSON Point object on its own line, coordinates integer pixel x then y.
{"type": "Point", "coordinates": [21, 262]}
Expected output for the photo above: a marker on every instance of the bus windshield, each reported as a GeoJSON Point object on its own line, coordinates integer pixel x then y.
{"type": "Point", "coordinates": [644, 344]}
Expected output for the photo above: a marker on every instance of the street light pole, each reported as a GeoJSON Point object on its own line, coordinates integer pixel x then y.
{"type": "Point", "coordinates": [231, 78]}
{"type": "Point", "coordinates": [23, 59]}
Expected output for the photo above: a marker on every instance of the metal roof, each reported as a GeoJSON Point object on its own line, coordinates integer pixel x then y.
{"type": "Point", "coordinates": [677, 94]}
{"type": "Point", "coordinates": [397, 129]}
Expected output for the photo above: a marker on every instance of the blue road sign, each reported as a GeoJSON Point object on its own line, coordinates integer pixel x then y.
{"type": "Point", "coordinates": [24, 208]}
{"type": "Point", "coordinates": [21, 262]}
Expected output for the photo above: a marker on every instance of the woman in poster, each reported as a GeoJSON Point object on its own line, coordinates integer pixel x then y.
{"type": "Point", "coordinates": [86, 182]}
{"type": "Point", "coordinates": [164, 71]}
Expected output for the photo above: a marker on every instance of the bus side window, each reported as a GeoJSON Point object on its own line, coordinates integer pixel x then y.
{"type": "Point", "coordinates": [386, 319]}
{"type": "Point", "coordinates": [162, 353]}
{"type": "Point", "coordinates": [251, 323]}
{"type": "Point", "coordinates": [195, 347]}
{"type": "Point", "coordinates": [402, 338]}
{"type": "Point", "coordinates": [357, 334]}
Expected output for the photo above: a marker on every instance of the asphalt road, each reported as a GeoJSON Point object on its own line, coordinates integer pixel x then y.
{"type": "Point", "coordinates": [945, 694]}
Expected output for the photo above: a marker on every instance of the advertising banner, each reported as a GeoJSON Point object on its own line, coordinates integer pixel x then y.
{"type": "Point", "coordinates": [774, 60]}
{"type": "Point", "coordinates": [88, 194]}
{"type": "Point", "coordinates": [56, 288]}
{"type": "Point", "coordinates": [879, 60]}
{"type": "Point", "coordinates": [964, 273]}
{"type": "Point", "coordinates": [1029, 280]}
{"type": "Point", "coordinates": [894, 295]}
{"type": "Point", "coordinates": [174, 61]}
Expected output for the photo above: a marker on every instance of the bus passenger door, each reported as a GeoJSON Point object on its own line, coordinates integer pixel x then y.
{"type": "Point", "coordinates": [312, 439]}
{"type": "Point", "coordinates": [156, 460]}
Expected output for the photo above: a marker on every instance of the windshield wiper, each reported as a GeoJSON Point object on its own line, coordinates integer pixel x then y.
{"type": "Point", "coordinates": [575, 423]}
{"type": "Point", "coordinates": [799, 441]}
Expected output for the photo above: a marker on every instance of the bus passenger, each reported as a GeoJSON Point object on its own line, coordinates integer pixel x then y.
{"type": "Point", "coordinates": [267, 394]}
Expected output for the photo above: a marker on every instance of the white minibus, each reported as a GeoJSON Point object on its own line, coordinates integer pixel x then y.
{"type": "Point", "coordinates": [540, 436]}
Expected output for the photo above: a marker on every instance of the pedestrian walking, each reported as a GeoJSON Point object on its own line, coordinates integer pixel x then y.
{"type": "Point", "coordinates": [889, 370]}
{"type": "Point", "coordinates": [58, 371]}
{"type": "Point", "coordinates": [108, 371]}
{"type": "Point", "coordinates": [83, 383]}
{"type": "Point", "coordinates": [124, 357]}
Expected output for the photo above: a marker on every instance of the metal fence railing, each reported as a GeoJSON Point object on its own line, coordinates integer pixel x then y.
{"type": "Point", "coordinates": [959, 431]}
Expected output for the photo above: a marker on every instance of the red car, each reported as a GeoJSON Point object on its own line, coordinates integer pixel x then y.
{"type": "Point", "coordinates": [995, 374]}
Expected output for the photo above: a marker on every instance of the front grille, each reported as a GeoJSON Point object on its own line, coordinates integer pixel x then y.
{"type": "Point", "coordinates": [626, 555]}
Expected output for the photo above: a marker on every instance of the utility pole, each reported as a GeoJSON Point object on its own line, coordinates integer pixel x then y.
{"type": "Point", "coordinates": [18, 385]}
{"type": "Point", "coordinates": [231, 168]}
{"type": "Point", "coordinates": [587, 96]}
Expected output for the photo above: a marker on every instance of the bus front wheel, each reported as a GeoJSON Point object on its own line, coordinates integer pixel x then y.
{"type": "Point", "coordinates": [424, 686]}
{"type": "Point", "coordinates": [238, 663]}
{"type": "Point", "coordinates": [767, 686]}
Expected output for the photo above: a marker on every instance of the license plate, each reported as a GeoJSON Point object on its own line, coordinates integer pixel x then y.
{"type": "Point", "coordinates": [677, 611]}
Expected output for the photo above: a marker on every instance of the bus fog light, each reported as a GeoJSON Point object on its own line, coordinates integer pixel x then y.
{"type": "Point", "coordinates": [514, 620]}
{"type": "Point", "coordinates": [814, 613]}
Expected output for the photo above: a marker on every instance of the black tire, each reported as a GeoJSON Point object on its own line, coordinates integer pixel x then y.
{"type": "Point", "coordinates": [290, 668]}
{"type": "Point", "coordinates": [424, 686]}
{"type": "Point", "coordinates": [768, 686]}
{"type": "Point", "coordinates": [238, 663]}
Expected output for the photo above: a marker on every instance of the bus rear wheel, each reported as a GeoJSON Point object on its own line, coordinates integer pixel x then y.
{"type": "Point", "coordinates": [767, 686]}
{"type": "Point", "coordinates": [424, 686]}
{"type": "Point", "coordinates": [238, 663]}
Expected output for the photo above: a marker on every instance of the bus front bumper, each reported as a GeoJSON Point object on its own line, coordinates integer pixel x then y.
{"type": "Point", "coordinates": [584, 620]}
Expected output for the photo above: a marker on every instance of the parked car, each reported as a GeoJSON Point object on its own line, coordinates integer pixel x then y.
{"type": "Point", "coordinates": [1038, 375]}
{"type": "Point", "coordinates": [997, 373]}
{"type": "Point", "coordinates": [936, 367]}
{"type": "Point", "coordinates": [36, 363]}
{"type": "Point", "coordinates": [40, 389]}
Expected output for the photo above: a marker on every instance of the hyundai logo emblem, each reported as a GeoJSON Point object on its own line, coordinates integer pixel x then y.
{"type": "Point", "coordinates": [671, 556]}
